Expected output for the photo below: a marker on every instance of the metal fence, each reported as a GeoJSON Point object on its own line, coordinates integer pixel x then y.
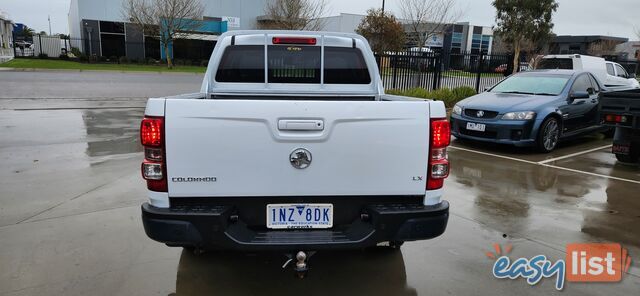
{"type": "Point", "coordinates": [404, 70]}
{"type": "Point", "coordinates": [399, 70]}
{"type": "Point", "coordinates": [108, 47]}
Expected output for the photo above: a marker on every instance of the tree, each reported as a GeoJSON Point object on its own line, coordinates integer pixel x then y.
{"type": "Point", "coordinates": [294, 14]}
{"type": "Point", "coordinates": [428, 18]}
{"type": "Point", "coordinates": [382, 30]}
{"type": "Point", "coordinates": [519, 21]}
{"type": "Point", "coordinates": [166, 19]}
{"type": "Point", "coordinates": [637, 29]}
{"type": "Point", "coordinates": [42, 33]}
{"type": "Point", "coordinates": [26, 32]}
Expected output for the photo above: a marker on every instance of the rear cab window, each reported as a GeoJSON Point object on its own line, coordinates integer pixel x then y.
{"type": "Point", "coordinates": [292, 64]}
{"type": "Point", "coordinates": [555, 63]}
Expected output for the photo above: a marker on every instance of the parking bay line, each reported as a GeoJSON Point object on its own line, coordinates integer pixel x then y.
{"type": "Point", "coordinates": [547, 165]}
{"type": "Point", "coordinates": [574, 154]}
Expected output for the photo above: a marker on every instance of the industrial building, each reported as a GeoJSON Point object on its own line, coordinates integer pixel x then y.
{"type": "Point", "coordinates": [98, 27]}
{"type": "Point", "coordinates": [454, 38]}
{"type": "Point", "coordinates": [6, 39]}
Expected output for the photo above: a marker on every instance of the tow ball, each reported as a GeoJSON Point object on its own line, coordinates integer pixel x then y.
{"type": "Point", "coordinates": [300, 267]}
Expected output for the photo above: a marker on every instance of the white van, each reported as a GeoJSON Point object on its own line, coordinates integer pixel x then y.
{"type": "Point", "coordinates": [611, 74]}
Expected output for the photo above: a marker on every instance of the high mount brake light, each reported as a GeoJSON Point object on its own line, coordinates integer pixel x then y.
{"type": "Point", "coordinates": [440, 138]}
{"type": "Point", "coordinates": [294, 40]}
{"type": "Point", "coordinates": [154, 168]}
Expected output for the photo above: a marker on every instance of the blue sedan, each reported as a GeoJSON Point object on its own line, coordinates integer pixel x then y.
{"type": "Point", "coordinates": [536, 108]}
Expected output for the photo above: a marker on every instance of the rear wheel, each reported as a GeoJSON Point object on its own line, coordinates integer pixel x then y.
{"type": "Point", "coordinates": [632, 157]}
{"type": "Point", "coordinates": [548, 135]}
{"type": "Point", "coordinates": [627, 158]}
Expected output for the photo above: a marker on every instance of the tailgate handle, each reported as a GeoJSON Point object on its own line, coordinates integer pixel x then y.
{"type": "Point", "coordinates": [300, 125]}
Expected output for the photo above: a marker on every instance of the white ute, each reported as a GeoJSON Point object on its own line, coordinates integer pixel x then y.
{"type": "Point", "coordinates": [292, 145]}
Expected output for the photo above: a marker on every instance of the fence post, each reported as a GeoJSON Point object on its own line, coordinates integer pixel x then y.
{"type": "Point", "coordinates": [394, 65]}
{"type": "Point", "coordinates": [479, 70]}
{"type": "Point", "coordinates": [13, 41]}
{"type": "Point", "coordinates": [437, 67]}
{"type": "Point", "coordinates": [40, 42]}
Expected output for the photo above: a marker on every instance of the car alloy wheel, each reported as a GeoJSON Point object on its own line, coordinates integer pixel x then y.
{"type": "Point", "coordinates": [550, 135]}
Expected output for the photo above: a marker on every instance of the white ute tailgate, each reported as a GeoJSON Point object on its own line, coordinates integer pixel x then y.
{"type": "Point", "coordinates": [362, 148]}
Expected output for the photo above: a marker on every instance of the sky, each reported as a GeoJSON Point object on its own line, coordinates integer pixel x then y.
{"type": "Point", "coordinates": [574, 17]}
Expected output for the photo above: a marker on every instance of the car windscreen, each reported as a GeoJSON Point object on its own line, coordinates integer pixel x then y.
{"type": "Point", "coordinates": [292, 64]}
{"type": "Point", "coordinates": [533, 84]}
{"type": "Point", "coordinates": [566, 64]}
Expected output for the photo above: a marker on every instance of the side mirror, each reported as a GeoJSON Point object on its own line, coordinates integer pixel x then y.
{"type": "Point", "coordinates": [579, 95]}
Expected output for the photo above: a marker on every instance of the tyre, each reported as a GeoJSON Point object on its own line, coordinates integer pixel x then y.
{"type": "Point", "coordinates": [631, 159]}
{"type": "Point", "coordinates": [548, 135]}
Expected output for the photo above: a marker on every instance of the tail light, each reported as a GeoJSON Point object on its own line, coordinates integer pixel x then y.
{"type": "Point", "coordinates": [294, 40]}
{"type": "Point", "coordinates": [154, 168]}
{"type": "Point", "coordinates": [616, 118]}
{"type": "Point", "coordinates": [438, 158]}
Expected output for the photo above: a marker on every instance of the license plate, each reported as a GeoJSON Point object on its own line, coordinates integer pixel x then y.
{"type": "Point", "coordinates": [475, 126]}
{"type": "Point", "coordinates": [299, 216]}
{"type": "Point", "coordinates": [623, 148]}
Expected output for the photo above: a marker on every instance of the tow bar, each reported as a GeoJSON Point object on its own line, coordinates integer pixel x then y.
{"type": "Point", "coordinates": [300, 268]}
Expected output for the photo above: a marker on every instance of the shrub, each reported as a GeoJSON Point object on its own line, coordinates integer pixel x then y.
{"type": "Point", "coordinates": [43, 56]}
{"type": "Point", "coordinates": [204, 63]}
{"type": "Point", "coordinates": [63, 57]}
{"type": "Point", "coordinates": [83, 58]}
{"type": "Point", "coordinates": [449, 96]}
{"type": "Point", "coordinates": [76, 51]}
{"type": "Point", "coordinates": [151, 61]}
{"type": "Point", "coordinates": [464, 92]}
{"type": "Point", "coordinates": [123, 60]}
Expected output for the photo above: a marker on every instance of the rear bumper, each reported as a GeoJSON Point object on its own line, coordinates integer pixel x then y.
{"type": "Point", "coordinates": [223, 227]}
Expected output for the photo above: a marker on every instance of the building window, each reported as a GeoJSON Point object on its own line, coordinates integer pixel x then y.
{"type": "Point", "coordinates": [111, 27]}
{"type": "Point", "coordinates": [456, 42]}
{"type": "Point", "coordinates": [112, 39]}
{"type": "Point", "coordinates": [485, 43]}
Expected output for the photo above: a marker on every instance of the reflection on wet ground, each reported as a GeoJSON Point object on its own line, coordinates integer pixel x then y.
{"type": "Point", "coordinates": [48, 157]}
{"type": "Point", "coordinates": [70, 192]}
{"type": "Point", "coordinates": [111, 132]}
{"type": "Point", "coordinates": [377, 272]}
{"type": "Point", "coordinates": [550, 205]}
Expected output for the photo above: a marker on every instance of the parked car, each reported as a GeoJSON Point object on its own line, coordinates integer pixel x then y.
{"type": "Point", "coordinates": [611, 74]}
{"type": "Point", "coordinates": [621, 110]}
{"type": "Point", "coordinates": [299, 156]}
{"type": "Point", "coordinates": [23, 44]}
{"type": "Point", "coordinates": [535, 108]}
{"type": "Point", "coordinates": [524, 66]}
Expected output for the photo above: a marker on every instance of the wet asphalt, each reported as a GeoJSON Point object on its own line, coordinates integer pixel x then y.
{"type": "Point", "coordinates": [70, 192]}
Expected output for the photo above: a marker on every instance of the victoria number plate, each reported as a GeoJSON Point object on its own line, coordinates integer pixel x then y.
{"type": "Point", "coordinates": [475, 126]}
{"type": "Point", "coordinates": [299, 216]}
